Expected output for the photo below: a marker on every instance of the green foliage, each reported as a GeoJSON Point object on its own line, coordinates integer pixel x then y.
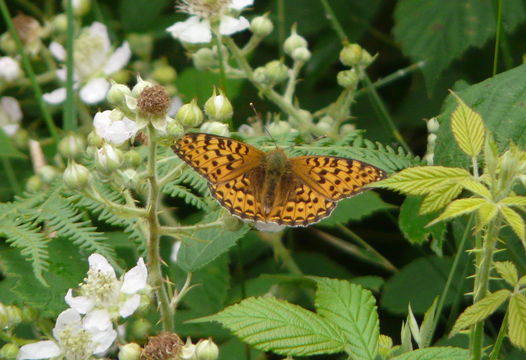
{"type": "Point", "coordinates": [7, 149]}
{"type": "Point", "coordinates": [436, 353]}
{"type": "Point", "coordinates": [517, 320]}
{"type": "Point", "coordinates": [467, 128]}
{"type": "Point", "coordinates": [414, 225]}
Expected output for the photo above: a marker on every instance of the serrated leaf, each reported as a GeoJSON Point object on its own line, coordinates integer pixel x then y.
{"type": "Point", "coordinates": [516, 200]}
{"type": "Point", "coordinates": [517, 321]}
{"type": "Point", "coordinates": [405, 336]}
{"type": "Point", "coordinates": [439, 198]}
{"type": "Point", "coordinates": [435, 353]}
{"type": "Point", "coordinates": [385, 345]}
{"type": "Point", "coordinates": [413, 326]}
{"type": "Point", "coordinates": [468, 128]}
{"type": "Point", "coordinates": [515, 221]}
{"type": "Point", "coordinates": [353, 310]}
{"type": "Point", "coordinates": [421, 180]}
{"type": "Point", "coordinates": [522, 280]}
{"type": "Point", "coordinates": [460, 207]}
{"type": "Point", "coordinates": [270, 324]}
{"type": "Point", "coordinates": [413, 224]}
{"type": "Point", "coordinates": [476, 187]}
{"type": "Point", "coordinates": [486, 213]}
{"type": "Point", "coordinates": [507, 271]}
{"type": "Point", "coordinates": [426, 328]}
{"type": "Point", "coordinates": [480, 310]}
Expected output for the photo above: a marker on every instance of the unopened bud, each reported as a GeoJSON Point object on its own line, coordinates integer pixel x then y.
{"type": "Point", "coordinates": [218, 107]}
{"type": "Point", "coordinates": [301, 54]}
{"type": "Point", "coordinates": [117, 94]}
{"type": "Point", "coordinates": [140, 86]}
{"type": "Point", "coordinates": [132, 159]}
{"type": "Point", "coordinates": [279, 128]}
{"type": "Point", "coordinates": [10, 316]}
{"type": "Point", "coordinates": [130, 178]}
{"type": "Point", "coordinates": [9, 351]}
{"type": "Point", "coordinates": [206, 350]}
{"type": "Point", "coordinates": [34, 183]}
{"type": "Point", "coordinates": [76, 176]}
{"type": "Point", "coordinates": [216, 128]}
{"type": "Point", "coordinates": [261, 76]}
{"type": "Point", "coordinates": [347, 79]}
{"type": "Point", "coordinates": [80, 7]}
{"type": "Point", "coordinates": [190, 115]}
{"type": "Point", "coordinates": [108, 158]}
{"type": "Point", "coordinates": [21, 138]}
{"type": "Point", "coordinates": [94, 139]}
{"type": "Point", "coordinates": [131, 351]}
{"type": "Point", "coordinates": [293, 42]}
{"type": "Point", "coordinates": [163, 73]}
{"type": "Point", "coordinates": [432, 125]}
{"type": "Point", "coordinates": [141, 328]}
{"type": "Point", "coordinates": [347, 129]}
{"type": "Point", "coordinates": [325, 124]}
{"type": "Point", "coordinates": [48, 173]}
{"type": "Point", "coordinates": [205, 59]}
{"type": "Point", "coordinates": [276, 71]}
{"type": "Point", "coordinates": [9, 69]}
{"type": "Point", "coordinates": [174, 128]}
{"type": "Point", "coordinates": [261, 26]}
{"type": "Point", "coordinates": [72, 146]}
{"type": "Point", "coordinates": [431, 139]}
{"type": "Point", "coordinates": [188, 351]}
{"type": "Point", "coordinates": [141, 44]}
{"type": "Point", "coordinates": [59, 24]}
{"type": "Point", "coordinates": [355, 55]}
{"type": "Point", "coordinates": [7, 44]}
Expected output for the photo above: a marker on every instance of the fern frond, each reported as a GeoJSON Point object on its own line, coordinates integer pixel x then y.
{"type": "Point", "coordinates": [194, 180]}
{"type": "Point", "coordinates": [31, 242]}
{"type": "Point", "coordinates": [186, 194]}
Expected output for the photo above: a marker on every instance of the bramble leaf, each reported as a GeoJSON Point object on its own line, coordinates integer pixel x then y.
{"type": "Point", "coordinates": [515, 221]}
{"type": "Point", "coordinates": [435, 353]}
{"type": "Point", "coordinates": [460, 207]}
{"type": "Point", "coordinates": [507, 271]}
{"type": "Point", "coordinates": [439, 198]}
{"type": "Point", "coordinates": [517, 321]}
{"type": "Point", "coordinates": [468, 128]}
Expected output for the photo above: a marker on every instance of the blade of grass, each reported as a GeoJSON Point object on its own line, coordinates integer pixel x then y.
{"type": "Point", "coordinates": [70, 123]}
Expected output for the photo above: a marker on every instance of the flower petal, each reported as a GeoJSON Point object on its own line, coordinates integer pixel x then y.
{"type": "Point", "coordinates": [55, 97]}
{"type": "Point", "coordinates": [98, 262]}
{"type": "Point", "coordinates": [230, 25]}
{"type": "Point", "coordinates": [102, 341]}
{"type": "Point", "coordinates": [69, 318]}
{"type": "Point", "coordinates": [39, 350]}
{"type": "Point", "coordinates": [97, 321]}
{"type": "Point", "coordinates": [11, 107]}
{"type": "Point", "coordinates": [240, 4]}
{"type": "Point", "coordinates": [193, 30]}
{"type": "Point", "coordinates": [129, 306]}
{"type": "Point", "coordinates": [82, 304]}
{"type": "Point", "coordinates": [135, 279]}
{"type": "Point", "coordinates": [100, 30]}
{"type": "Point", "coordinates": [58, 51]}
{"type": "Point", "coordinates": [94, 91]}
{"type": "Point", "coordinates": [118, 59]}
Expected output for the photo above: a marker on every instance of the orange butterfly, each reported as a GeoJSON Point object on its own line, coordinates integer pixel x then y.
{"type": "Point", "coordinates": [269, 187]}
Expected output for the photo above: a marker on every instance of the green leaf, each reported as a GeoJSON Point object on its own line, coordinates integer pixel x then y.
{"type": "Point", "coordinates": [499, 100]}
{"type": "Point", "coordinates": [517, 321]}
{"type": "Point", "coordinates": [7, 149]}
{"type": "Point", "coordinates": [435, 353]}
{"type": "Point", "coordinates": [476, 187]}
{"type": "Point", "coordinates": [439, 33]}
{"type": "Point", "coordinates": [204, 245]}
{"type": "Point", "coordinates": [507, 271]}
{"type": "Point", "coordinates": [356, 208]}
{"type": "Point", "coordinates": [486, 213]}
{"type": "Point", "coordinates": [270, 324]}
{"type": "Point", "coordinates": [516, 200]}
{"type": "Point", "coordinates": [426, 328]}
{"type": "Point", "coordinates": [413, 224]}
{"type": "Point", "coordinates": [460, 207]}
{"type": "Point", "coordinates": [353, 310]}
{"type": "Point", "coordinates": [421, 180]}
{"type": "Point", "coordinates": [468, 128]}
{"type": "Point", "coordinates": [480, 310]}
{"type": "Point", "coordinates": [440, 197]}
{"type": "Point", "coordinates": [515, 221]}
{"type": "Point", "coordinates": [405, 335]}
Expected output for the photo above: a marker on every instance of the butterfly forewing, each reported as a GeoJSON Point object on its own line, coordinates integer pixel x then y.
{"type": "Point", "coordinates": [217, 158]}
{"type": "Point", "coordinates": [334, 177]}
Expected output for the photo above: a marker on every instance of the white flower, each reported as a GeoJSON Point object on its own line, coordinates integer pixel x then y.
{"type": "Point", "coordinates": [10, 115]}
{"type": "Point", "coordinates": [76, 338]}
{"type": "Point", "coordinates": [102, 290]}
{"type": "Point", "coordinates": [95, 60]}
{"type": "Point", "coordinates": [113, 126]}
{"type": "Point", "coordinates": [9, 69]}
{"type": "Point", "coordinates": [196, 29]}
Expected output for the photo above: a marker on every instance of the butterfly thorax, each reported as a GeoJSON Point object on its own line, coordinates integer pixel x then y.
{"type": "Point", "coordinates": [277, 169]}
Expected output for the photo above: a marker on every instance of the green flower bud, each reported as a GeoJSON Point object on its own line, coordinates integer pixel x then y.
{"type": "Point", "coordinates": [163, 73]}
{"type": "Point", "coordinates": [140, 86]}
{"type": "Point", "coordinates": [9, 352]}
{"type": "Point", "coordinates": [261, 26]}
{"type": "Point", "coordinates": [48, 173]}
{"type": "Point", "coordinates": [188, 351]}
{"type": "Point", "coordinates": [206, 350]}
{"type": "Point", "coordinates": [346, 129]}
{"type": "Point", "coordinates": [117, 94]}
{"type": "Point", "coordinates": [190, 115]}
{"type": "Point", "coordinates": [261, 75]}
{"type": "Point", "coordinates": [72, 146]}
{"type": "Point", "coordinates": [216, 128]}
{"type": "Point", "coordinates": [10, 316]}
{"type": "Point", "coordinates": [293, 42]}
{"type": "Point", "coordinates": [301, 54]}
{"type": "Point", "coordinates": [80, 7]}
{"type": "Point", "coordinates": [246, 130]}
{"type": "Point", "coordinates": [432, 125]}
{"type": "Point", "coordinates": [132, 159]}
{"type": "Point", "coordinates": [131, 351]}
{"type": "Point", "coordinates": [108, 158]}
{"type": "Point", "coordinates": [205, 59]}
{"type": "Point", "coordinates": [431, 139]}
{"type": "Point", "coordinates": [94, 139]}
{"type": "Point", "coordinates": [7, 44]}
{"type": "Point", "coordinates": [325, 124]}
{"type": "Point", "coordinates": [130, 178]}
{"type": "Point", "coordinates": [175, 129]}
{"type": "Point", "coordinates": [355, 55]}
{"type": "Point", "coordinates": [141, 328]}
{"type": "Point", "coordinates": [141, 44]}
{"type": "Point", "coordinates": [21, 138]}
{"type": "Point", "coordinates": [348, 79]}
{"type": "Point", "coordinates": [121, 77]}
{"type": "Point", "coordinates": [76, 176]}
{"type": "Point", "coordinates": [218, 107]}
{"type": "Point", "coordinates": [59, 24]}
{"type": "Point", "coordinates": [279, 128]}
{"type": "Point", "coordinates": [276, 71]}
{"type": "Point", "coordinates": [34, 183]}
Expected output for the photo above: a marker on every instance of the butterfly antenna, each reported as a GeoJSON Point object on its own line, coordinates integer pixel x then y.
{"type": "Point", "coordinates": [258, 116]}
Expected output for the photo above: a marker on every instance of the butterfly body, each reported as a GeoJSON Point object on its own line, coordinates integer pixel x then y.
{"type": "Point", "coordinates": [269, 187]}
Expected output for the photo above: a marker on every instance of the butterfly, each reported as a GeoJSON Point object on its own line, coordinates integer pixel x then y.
{"type": "Point", "coordinates": [269, 187]}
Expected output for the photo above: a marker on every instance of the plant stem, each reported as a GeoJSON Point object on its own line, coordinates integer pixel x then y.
{"type": "Point", "coordinates": [331, 16]}
{"type": "Point", "coordinates": [154, 234]}
{"type": "Point", "coordinates": [281, 25]}
{"type": "Point", "coordinates": [29, 71]}
{"type": "Point", "coordinates": [176, 230]}
{"type": "Point", "coordinates": [500, 338]}
{"type": "Point", "coordinates": [497, 37]}
{"type": "Point", "coordinates": [70, 123]}
{"type": "Point", "coordinates": [291, 83]}
{"type": "Point", "coordinates": [281, 252]}
{"type": "Point", "coordinates": [482, 282]}
{"type": "Point", "coordinates": [384, 114]}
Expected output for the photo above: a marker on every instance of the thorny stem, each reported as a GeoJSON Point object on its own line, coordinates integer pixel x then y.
{"type": "Point", "coordinates": [178, 295]}
{"type": "Point", "coordinates": [176, 230]}
{"type": "Point", "coordinates": [481, 283]}
{"type": "Point", "coordinates": [154, 235]}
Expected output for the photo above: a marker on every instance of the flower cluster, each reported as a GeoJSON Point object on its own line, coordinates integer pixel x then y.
{"type": "Point", "coordinates": [86, 328]}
